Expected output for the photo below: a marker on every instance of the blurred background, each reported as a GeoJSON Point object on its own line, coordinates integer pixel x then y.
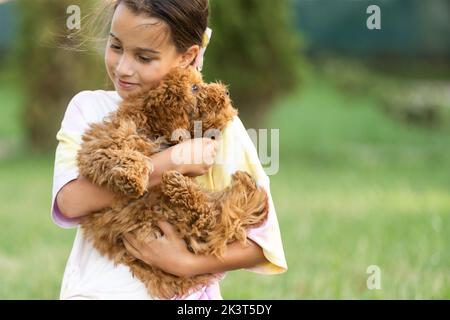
{"type": "Point", "coordinates": [364, 120]}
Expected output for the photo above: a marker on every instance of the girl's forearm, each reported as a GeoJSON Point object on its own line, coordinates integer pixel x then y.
{"type": "Point", "coordinates": [237, 256]}
{"type": "Point", "coordinates": [81, 197]}
{"type": "Point", "coordinates": [161, 162]}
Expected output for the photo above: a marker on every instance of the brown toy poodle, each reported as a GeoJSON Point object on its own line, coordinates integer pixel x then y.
{"type": "Point", "coordinates": [115, 152]}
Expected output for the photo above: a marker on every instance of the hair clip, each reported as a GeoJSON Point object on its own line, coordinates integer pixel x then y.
{"type": "Point", "coordinates": [205, 41]}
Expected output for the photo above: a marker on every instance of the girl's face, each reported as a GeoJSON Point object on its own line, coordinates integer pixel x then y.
{"type": "Point", "coordinates": [139, 52]}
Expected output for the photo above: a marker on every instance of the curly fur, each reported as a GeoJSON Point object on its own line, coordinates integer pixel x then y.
{"type": "Point", "coordinates": [115, 154]}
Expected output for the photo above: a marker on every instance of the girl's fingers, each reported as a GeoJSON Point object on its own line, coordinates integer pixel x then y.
{"type": "Point", "coordinates": [166, 228]}
{"type": "Point", "coordinates": [131, 249]}
{"type": "Point", "coordinates": [132, 240]}
{"type": "Point", "coordinates": [131, 245]}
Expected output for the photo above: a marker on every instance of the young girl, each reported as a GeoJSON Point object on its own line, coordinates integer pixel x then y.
{"type": "Point", "coordinates": [147, 39]}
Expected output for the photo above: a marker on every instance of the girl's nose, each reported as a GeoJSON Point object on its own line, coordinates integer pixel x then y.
{"type": "Point", "coordinates": [124, 67]}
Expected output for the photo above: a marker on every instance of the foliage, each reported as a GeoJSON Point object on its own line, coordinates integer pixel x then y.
{"type": "Point", "coordinates": [256, 50]}
{"type": "Point", "coordinates": [49, 74]}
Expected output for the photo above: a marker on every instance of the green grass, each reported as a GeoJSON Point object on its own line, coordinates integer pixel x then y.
{"type": "Point", "coordinates": [33, 251]}
{"type": "Point", "coordinates": [354, 189]}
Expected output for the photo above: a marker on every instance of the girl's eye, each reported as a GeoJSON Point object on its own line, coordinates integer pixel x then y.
{"type": "Point", "coordinates": [145, 59]}
{"type": "Point", "coordinates": [115, 47]}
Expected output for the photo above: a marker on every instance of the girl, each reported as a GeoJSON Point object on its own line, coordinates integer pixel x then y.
{"type": "Point", "coordinates": [147, 39]}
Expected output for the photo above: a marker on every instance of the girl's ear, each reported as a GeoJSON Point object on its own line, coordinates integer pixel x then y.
{"type": "Point", "coordinates": [189, 56]}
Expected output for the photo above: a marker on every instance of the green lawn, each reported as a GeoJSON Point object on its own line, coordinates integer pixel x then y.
{"type": "Point", "coordinates": [354, 189]}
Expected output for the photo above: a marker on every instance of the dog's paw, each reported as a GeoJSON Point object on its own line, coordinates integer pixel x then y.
{"type": "Point", "coordinates": [173, 181]}
{"type": "Point", "coordinates": [129, 183]}
{"type": "Point", "coordinates": [173, 178]}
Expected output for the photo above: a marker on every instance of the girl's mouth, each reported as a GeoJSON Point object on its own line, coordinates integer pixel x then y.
{"type": "Point", "coordinates": [126, 85]}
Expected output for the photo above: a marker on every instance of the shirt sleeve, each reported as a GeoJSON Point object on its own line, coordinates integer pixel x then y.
{"type": "Point", "coordinates": [65, 169]}
{"type": "Point", "coordinates": [237, 152]}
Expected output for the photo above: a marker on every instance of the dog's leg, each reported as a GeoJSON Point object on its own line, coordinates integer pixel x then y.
{"type": "Point", "coordinates": [184, 192]}
{"type": "Point", "coordinates": [189, 206]}
{"type": "Point", "coordinates": [114, 155]}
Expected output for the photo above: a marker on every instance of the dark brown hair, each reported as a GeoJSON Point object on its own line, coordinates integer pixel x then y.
{"type": "Point", "coordinates": [186, 19]}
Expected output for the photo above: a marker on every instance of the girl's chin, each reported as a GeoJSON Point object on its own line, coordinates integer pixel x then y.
{"type": "Point", "coordinates": [125, 93]}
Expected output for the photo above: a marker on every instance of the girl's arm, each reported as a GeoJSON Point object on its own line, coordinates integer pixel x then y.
{"type": "Point", "coordinates": [170, 254]}
{"type": "Point", "coordinates": [81, 197]}
{"type": "Point", "coordinates": [237, 256]}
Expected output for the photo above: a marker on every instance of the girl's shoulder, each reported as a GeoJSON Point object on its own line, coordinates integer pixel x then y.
{"type": "Point", "coordinates": [236, 132]}
{"type": "Point", "coordinates": [93, 105]}
{"type": "Point", "coordinates": [234, 127]}
{"type": "Point", "coordinates": [92, 99]}
{"type": "Point", "coordinates": [96, 95]}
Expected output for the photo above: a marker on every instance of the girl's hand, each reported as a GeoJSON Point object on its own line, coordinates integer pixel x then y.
{"type": "Point", "coordinates": [168, 252]}
{"type": "Point", "coordinates": [181, 158]}
{"type": "Point", "coordinates": [194, 157]}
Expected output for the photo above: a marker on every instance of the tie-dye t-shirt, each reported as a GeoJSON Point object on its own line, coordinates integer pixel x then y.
{"type": "Point", "coordinates": [88, 275]}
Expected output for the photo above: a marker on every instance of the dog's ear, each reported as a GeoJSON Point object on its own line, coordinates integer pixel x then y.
{"type": "Point", "coordinates": [169, 105]}
{"type": "Point", "coordinates": [159, 92]}
{"type": "Point", "coordinates": [177, 82]}
{"type": "Point", "coordinates": [215, 107]}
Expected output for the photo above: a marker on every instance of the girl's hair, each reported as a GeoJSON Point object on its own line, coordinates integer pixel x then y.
{"type": "Point", "coordinates": [186, 19]}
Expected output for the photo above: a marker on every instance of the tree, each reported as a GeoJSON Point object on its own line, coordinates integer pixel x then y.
{"type": "Point", "coordinates": [256, 50]}
{"type": "Point", "coordinates": [51, 75]}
